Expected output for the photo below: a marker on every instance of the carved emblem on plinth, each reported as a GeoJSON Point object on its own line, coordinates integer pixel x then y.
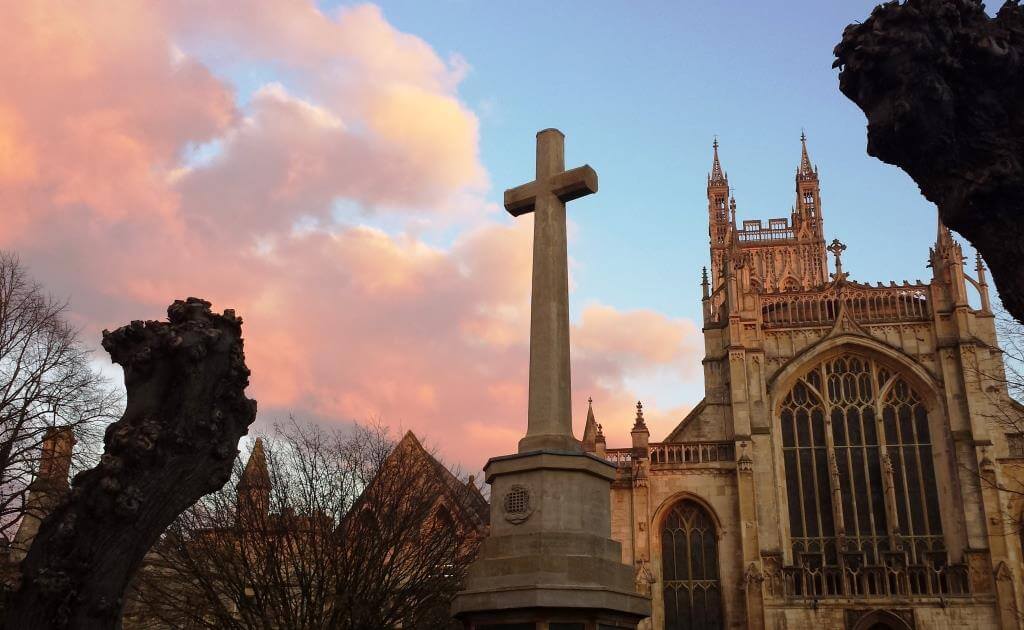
{"type": "Point", "coordinates": [517, 504]}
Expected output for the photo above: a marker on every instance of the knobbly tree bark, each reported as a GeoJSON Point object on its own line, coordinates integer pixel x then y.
{"type": "Point", "coordinates": [942, 85]}
{"type": "Point", "coordinates": [186, 411]}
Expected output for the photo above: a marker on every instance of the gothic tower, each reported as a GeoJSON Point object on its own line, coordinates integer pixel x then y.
{"type": "Point", "coordinates": [787, 254]}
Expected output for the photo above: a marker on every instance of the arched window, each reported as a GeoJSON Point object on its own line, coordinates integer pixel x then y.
{"type": "Point", "coordinates": [689, 561]}
{"type": "Point", "coordinates": [859, 473]}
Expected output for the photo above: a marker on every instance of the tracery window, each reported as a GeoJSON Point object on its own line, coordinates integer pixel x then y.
{"type": "Point", "coordinates": [689, 552]}
{"type": "Point", "coordinates": [859, 473]}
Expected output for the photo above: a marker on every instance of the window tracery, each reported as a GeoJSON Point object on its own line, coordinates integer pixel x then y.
{"type": "Point", "coordinates": [689, 549]}
{"type": "Point", "coordinates": [860, 478]}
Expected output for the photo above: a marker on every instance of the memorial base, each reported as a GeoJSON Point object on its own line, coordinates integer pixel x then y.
{"type": "Point", "coordinates": [549, 562]}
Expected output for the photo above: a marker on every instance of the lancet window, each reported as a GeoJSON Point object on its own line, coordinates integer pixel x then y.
{"type": "Point", "coordinates": [860, 478]}
{"type": "Point", "coordinates": [689, 551]}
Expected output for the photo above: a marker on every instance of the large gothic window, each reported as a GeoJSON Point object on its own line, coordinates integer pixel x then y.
{"type": "Point", "coordinates": [859, 473]}
{"type": "Point", "coordinates": [689, 561]}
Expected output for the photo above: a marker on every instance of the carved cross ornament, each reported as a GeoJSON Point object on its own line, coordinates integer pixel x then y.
{"type": "Point", "coordinates": [837, 250]}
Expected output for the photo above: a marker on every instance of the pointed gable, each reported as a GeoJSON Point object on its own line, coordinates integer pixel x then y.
{"type": "Point", "coordinates": [467, 501]}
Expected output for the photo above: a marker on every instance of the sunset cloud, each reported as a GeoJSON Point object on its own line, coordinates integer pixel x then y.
{"type": "Point", "coordinates": [134, 171]}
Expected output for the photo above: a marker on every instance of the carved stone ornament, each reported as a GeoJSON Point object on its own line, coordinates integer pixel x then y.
{"type": "Point", "coordinates": [517, 504]}
{"type": "Point", "coordinates": [643, 578]}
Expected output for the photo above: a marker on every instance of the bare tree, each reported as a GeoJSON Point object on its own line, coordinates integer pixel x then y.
{"type": "Point", "coordinates": [46, 381]}
{"type": "Point", "coordinates": [351, 532]}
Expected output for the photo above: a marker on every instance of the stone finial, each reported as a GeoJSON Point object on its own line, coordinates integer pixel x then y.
{"type": "Point", "coordinates": [640, 424]}
{"type": "Point", "coordinates": [641, 436]}
{"type": "Point", "coordinates": [705, 286]}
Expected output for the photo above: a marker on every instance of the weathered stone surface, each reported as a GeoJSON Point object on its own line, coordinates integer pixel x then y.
{"type": "Point", "coordinates": [550, 405]}
{"type": "Point", "coordinates": [177, 440]}
{"type": "Point", "coordinates": [942, 85]}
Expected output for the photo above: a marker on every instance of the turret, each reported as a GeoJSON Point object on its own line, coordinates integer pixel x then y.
{"type": "Point", "coordinates": [719, 222]}
{"type": "Point", "coordinates": [807, 211]}
{"type": "Point", "coordinates": [254, 486]}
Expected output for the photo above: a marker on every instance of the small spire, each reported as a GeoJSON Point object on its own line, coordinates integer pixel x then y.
{"type": "Point", "coordinates": [732, 209]}
{"type": "Point", "coordinates": [979, 266]}
{"type": "Point", "coordinates": [600, 434]}
{"type": "Point", "coordinates": [704, 285]}
{"type": "Point", "coordinates": [590, 430]}
{"type": "Point", "coordinates": [806, 169]}
{"type": "Point", "coordinates": [944, 238]}
{"type": "Point", "coordinates": [717, 175]}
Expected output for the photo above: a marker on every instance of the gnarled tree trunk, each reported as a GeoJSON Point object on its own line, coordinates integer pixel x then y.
{"type": "Point", "coordinates": [942, 85]}
{"type": "Point", "coordinates": [176, 442]}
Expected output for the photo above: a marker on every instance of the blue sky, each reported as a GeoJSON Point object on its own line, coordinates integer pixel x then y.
{"type": "Point", "coordinates": [268, 140]}
{"type": "Point", "coordinates": [641, 89]}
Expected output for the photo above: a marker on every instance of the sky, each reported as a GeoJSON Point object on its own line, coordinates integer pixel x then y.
{"type": "Point", "coordinates": [334, 172]}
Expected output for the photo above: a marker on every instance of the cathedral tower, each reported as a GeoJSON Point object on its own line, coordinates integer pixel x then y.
{"type": "Point", "coordinates": [844, 467]}
{"type": "Point", "coordinates": [787, 254]}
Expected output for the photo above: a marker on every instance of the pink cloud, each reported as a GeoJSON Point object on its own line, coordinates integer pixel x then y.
{"type": "Point", "coordinates": [343, 321]}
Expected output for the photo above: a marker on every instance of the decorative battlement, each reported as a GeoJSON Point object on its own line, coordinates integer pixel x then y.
{"type": "Point", "coordinates": [677, 453]}
{"type": "Point", "coordinates": [864, 303]}
{"type": "Point", "coordinates": [754, 232]}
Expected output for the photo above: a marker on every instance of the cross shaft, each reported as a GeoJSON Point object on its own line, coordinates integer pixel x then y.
{"type": "Point", "coordinates": [550, 404]}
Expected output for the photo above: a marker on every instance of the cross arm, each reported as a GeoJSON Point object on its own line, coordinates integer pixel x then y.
{"type": "Point", "coordinates": [573, 184]}
{"type": "Point", "coordinates": [521, 199]}
{"type": "Point", "coordinates": [567, 185]}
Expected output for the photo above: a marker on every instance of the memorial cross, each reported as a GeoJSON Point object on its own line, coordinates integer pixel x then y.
{"type": "Point", "coordinates": [549, 417]}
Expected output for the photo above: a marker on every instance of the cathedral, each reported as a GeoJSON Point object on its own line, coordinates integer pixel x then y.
{"type": "Point", "coordinates": [848, 466]}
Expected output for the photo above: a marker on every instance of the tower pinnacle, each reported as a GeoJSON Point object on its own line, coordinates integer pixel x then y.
{"type": "Point", "coordinates": [717, 176]}
{"type": "Point", "coordinates": [806, 170]}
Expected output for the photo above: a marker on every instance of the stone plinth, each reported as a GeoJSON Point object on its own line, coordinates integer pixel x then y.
{"type": "Point", "coordinates": [550, 562]}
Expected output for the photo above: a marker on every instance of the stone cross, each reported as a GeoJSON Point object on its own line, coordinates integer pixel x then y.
{"type": "Point", "coordinates": [837, 250]}
{"type": "Point", "coordinates": [550, 404]}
